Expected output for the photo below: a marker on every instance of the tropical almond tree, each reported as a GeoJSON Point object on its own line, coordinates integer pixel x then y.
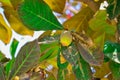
{"type": "Point", "coordinates": [84, 46]}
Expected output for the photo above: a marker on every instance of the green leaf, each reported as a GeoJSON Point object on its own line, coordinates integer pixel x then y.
{"type": "Point", "coordinates": [13, 48]}
{"type": "Point", "coordinates": [113, 8]}
{"type": "Point", "coordinates": [80, 67]}
{"type": "Point", "coordinates": [2, 74]}
{"type": "Point", "coordinates": [37, 15]}
{"type": "Point", "coordinates": [112, 51]}
{"type": "Point", "coordinates": [101, 29]}
{"type": "Point", "coordinates": [8, 67]}
{"type": "Point", "coordinates": [106, 59]}
{"type": "Point", "coordinates": [49, 45]}
{"type": "Point", "coordinates": [79, 22]}
{"type": "Point", "coordinates": [115, 69]}
{"type": "Point", "coordinates": [49, 50]}
{"type": "Point", "coordinates": [61, 74]}
{"type": "Point", "coordinates": [110, 1]}
{"type": "Point", "coordinates": [27, 58]}
{"type": "Point", "coordinates": [99, 41]}
{"type": "Point", "coordinates": [62, 67]}
{"type": "Point", "coordinates": [94, 57]}
{"type": "Point", "coordinates": [1, 56]}
{"type": "Point", "coordinates": [98, 23]}
{"type": "Point", "coordinates": [109, 47]}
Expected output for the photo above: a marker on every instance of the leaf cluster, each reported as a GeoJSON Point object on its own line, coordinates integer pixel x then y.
{"type": "Point", "coordinates": [94, 52]}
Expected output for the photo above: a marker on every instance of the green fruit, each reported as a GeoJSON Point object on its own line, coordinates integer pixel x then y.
{"type": "Point", "coordinates": [66, 38]}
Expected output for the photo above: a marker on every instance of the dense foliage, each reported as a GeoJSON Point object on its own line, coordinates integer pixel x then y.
{"type": "Point", "coordinates": [84, 47]}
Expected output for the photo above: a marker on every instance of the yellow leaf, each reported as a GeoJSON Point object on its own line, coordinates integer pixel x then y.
{"type": "Point", "coordinates": [69, 68]}
{"type": "Point", "coordinates": [104, 79]}
{"type": "Point", "coordinates": [5, 31]}
{"type": "Point", "coordinates": [56, 5]}
{"type": "Point", "coordinates": [62, 59]}
{"type": "Point", "coordinates": [70, 76]}
{"type": "Point", "coordinates": [53, 62]}
{"type": "Point", "coordinates": [99, 40]}
{"type": "Point", "coordinates": [46, 63]}
{"type": "Point", "coordinates": [6, 2]}
{"type": "Point", "coordinates": [79, 22]}
{"type": "Point", "coordinates": [15, 23]}
{"type": "Point", "coordinates": [102, 70]}
{"type": "Point", "coordinates": [16, 3]}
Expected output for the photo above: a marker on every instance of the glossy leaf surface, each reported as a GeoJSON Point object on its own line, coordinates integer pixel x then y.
{"type": "Point", "coordinates": [13, 48]}
{"type": "Point", "coordinates": [112, 51]}
{"type": "Point", "coordinates": [33, 14]}
{"type": "Point", "coordinates": [8, 67]}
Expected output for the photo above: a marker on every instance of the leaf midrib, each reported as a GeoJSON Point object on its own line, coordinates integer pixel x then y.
{"type": "Point", "coordinates": [27, 10]}
{"type": "Point", "coordinates": [22, 63]}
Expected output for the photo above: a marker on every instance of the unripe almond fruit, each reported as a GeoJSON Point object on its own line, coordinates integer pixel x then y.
{"type": "Point", "coordinates": [65, 38]}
